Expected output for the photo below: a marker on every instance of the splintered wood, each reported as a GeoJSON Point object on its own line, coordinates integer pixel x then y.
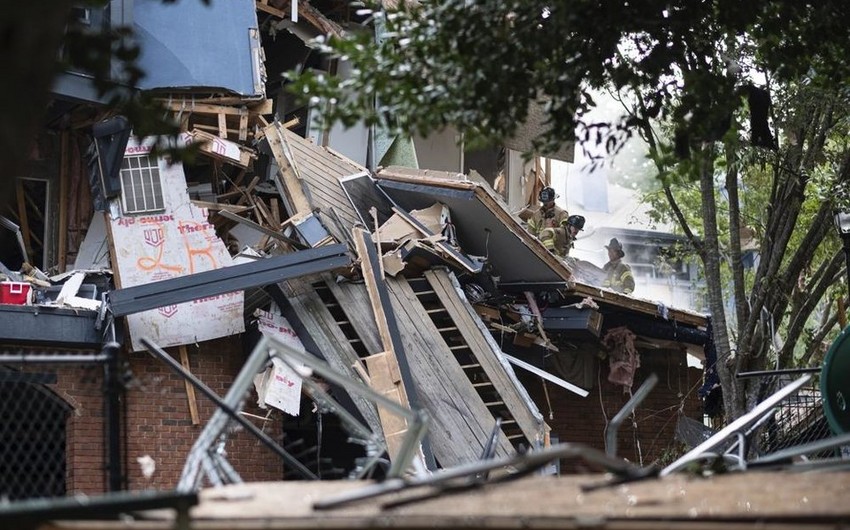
{"type": "Point", "coordinates": [384, 373]}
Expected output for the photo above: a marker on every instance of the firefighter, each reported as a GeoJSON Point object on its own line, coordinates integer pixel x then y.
{"type": "Point", "coordinates": [575, 224]}
{"type": "Point", "coordinates": [548, 223]}
{"type": "Point", "coordinates": [619, 275]}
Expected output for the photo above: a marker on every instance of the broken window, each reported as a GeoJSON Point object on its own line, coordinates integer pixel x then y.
{"type": "Point", "coordinates": [141, 187]}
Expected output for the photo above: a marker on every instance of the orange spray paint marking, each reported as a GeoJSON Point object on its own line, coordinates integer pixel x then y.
{"type": "Point", "coordinates": [192, 252]}
{"type": "Point", "coordinates": [155, 237]}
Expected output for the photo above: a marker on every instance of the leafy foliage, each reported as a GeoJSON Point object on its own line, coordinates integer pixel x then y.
{"type": "Point", "coordinates": [479, 64]}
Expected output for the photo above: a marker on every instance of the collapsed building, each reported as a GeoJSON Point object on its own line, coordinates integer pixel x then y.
{"type": "Point", "coordinates": [420, 284]}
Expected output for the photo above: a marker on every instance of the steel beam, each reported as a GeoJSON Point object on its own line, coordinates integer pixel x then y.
{"type": "Point", "coordinates": [257, 273]}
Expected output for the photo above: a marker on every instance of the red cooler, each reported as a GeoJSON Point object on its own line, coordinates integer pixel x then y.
{"type": "Point", "coordinates": [17, 293]}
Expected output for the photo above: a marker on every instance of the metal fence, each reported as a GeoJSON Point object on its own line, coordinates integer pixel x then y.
{"type": "Point", "coordinates": [56, 425]}
{"type": "Point", "coordinates": [798, 420]}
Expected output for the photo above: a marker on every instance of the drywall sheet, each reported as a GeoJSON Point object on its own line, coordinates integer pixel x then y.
{"type": "Point", "coordinates": [175, 242]}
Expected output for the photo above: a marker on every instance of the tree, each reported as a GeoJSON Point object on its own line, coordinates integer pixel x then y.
{"type": "Point", "coordinates": [694, 66]}
{"type": "Point", "coordinates": [800, 261]}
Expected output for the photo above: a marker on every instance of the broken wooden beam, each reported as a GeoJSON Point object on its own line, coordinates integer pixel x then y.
{"type": "Point", "coordinates": [262, 229]}
{"type": "Point", "coordinates": [308, 13]}
{"type": "Point", "coordinates": [224, 150]}
{"type": "Point", "coordinates": [190, 390]}
{"type": "Point", "coordinates": [287, 181]}
{"type": "Point", "coordinates": [391, 370]}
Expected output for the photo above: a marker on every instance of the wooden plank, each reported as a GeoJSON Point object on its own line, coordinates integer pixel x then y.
{"type": "Point", "coordinates": [246, 192]}
{"type": "Point", "coordinates": [262, 229]}
{"type": "Point", "coordinates": [222, 125]}
{"type": "Point", "coordinates": [263, 5]}
{"type": "Point", "coordinates": [188, 105]}
{"type": "Point", "coordinates": [275, 211]}
{"type": "Point", "coordinates": [397, 366]}
{"type": "Point", "coordinates": [308, 13]}
{"type": "Point", "coordinates": [488, 354]}
{"type": "Point", "coordinates": [293, 192]}
{"type": "Point", "coordinates": [371, 279]}
{"type": "Point", "coordinates": [218, 206]}
{"type": "Point", "coordinates": [243, 127]}
{"type": "Point", "coordinates": [395, 427]}
{"type": "Point", "coordinates": [212, 128]}
{"type": "Point", "coordinates": [263, 211]}
{"type": "Point", "coordinates": [64, 164]}
{"type": "Point", "coordinates": [190, 389]}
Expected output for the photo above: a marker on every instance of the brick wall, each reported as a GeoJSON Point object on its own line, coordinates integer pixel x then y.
{"type": "Point", "coordinates": [82, 388]}
{"type": "Point", "coordinates": [583, 420]}
{"type": "Point", "coordinates": [159, 423]}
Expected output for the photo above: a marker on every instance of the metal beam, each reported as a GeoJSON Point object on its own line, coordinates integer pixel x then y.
{"type": "Point", "coordinates": [258, 273]}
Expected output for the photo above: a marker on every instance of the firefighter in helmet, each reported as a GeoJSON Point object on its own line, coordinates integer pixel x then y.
{"type": "Point", "coordinates": [548, 223]}
{"type": "Point", "coordinates": [618, 274]}
{"type": "Point", "coordinates": [575, 224]}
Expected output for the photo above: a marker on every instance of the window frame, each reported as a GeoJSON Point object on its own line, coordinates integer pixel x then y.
{"type": "Point", "coordinates": [150, 191]}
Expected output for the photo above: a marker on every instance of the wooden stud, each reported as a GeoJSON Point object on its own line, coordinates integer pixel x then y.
{"type": "Point", "coordinates": [222, 125]}
{"type": "Point", "coordinates": [23, 221]}
{"type": "Point", "coordinates": [190, 390]}
{"type": "Point", "coordinates": [289, 185]}
{"type": "Point", "coordinates": [275, 210]}
{"type": "Point", "coordinates": [214, 128]}
{"type": "Point", "coordinates": [64, 161]}
{"type": "Point", "coordinates": [263, 213]}
{"type": "Point", "coordinates": [228, 106]}
{"type": "Point", "coordinates": [263, 5]}
{"type": "Point", "coordinates": [243, 127]}
{"type": "Point", "coordinates": [247, 191]}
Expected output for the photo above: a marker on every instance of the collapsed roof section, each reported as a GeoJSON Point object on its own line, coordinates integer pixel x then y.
{"type": "Point", "coordinates": [486, 227]}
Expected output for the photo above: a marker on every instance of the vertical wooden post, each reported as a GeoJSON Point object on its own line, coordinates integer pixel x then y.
{"type": "Point", "coordinates": [190, 390]}
{"type": "Point", "coordinates": [64, 160]}
{"type": "Point", "coordinates": [23, 220]}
